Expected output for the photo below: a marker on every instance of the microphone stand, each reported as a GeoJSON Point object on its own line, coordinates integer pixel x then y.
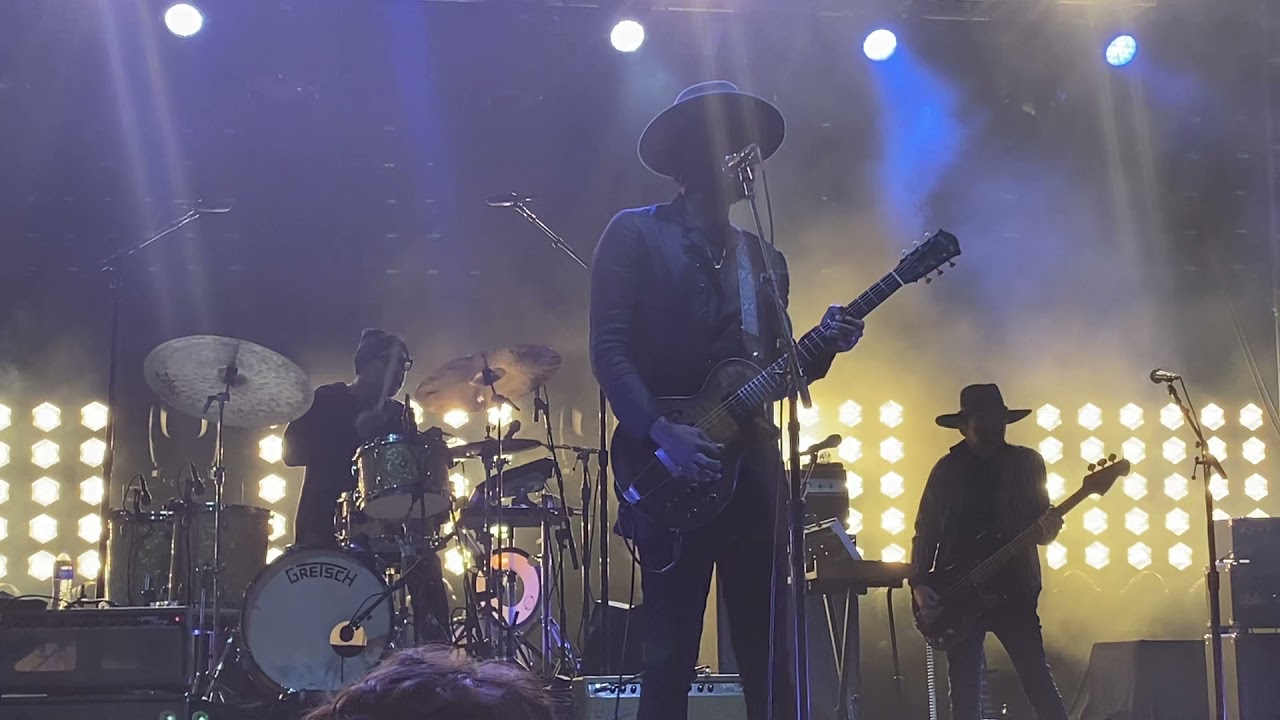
{"type": "Point", "coordinates": [1208, 464]}
{"type": "Point", "coordinates": [602, 460]}
{"type": "Point", "coordinates": [113, 265]}
{"type": "Point", "coordinates": [797, 392]}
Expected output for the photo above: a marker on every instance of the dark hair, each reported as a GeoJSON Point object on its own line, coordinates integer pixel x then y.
{"type": "Point", "coordinates": [439, 683]}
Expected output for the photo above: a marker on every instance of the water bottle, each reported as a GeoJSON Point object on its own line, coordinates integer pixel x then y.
{"type": "Point", "coordinates": [64, 577]}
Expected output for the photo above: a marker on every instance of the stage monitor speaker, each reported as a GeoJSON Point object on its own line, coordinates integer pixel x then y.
{"type": "Point", "coordinates": [110, 707]}
{"type": "Point", "coordinates": [1142, 679]}
{"type": "Point", "coordinates": [711, 697]}
{"type": "Point", "coordinates": [626, 639]}
{"type": "Point", "coordinates": [1250, 666]}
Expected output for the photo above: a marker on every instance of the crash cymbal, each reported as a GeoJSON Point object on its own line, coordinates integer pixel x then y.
{"type": "Point", "coordinates": [469, 383]}
{"type": "Point", "coordinates": [266, 387]}
{"type": "Point", "coordinates": [489, 448]}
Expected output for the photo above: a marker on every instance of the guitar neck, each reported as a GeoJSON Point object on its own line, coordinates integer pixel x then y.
{"type": "Point", "coordinates": [771, 384]}
{"type": "Point", "coordinates": [989, 567]}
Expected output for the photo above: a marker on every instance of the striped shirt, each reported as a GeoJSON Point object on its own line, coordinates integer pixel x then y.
{"type": "Point", "coordinates": [945, 529]}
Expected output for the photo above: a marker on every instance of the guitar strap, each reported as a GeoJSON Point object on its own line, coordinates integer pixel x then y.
{"type": "Point", "coordinates": [748, 296]}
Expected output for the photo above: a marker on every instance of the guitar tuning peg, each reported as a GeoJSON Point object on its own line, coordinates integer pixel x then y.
{"type": "Point", "coordinates": [928, 280]}
{"type": "Point", "coordinates": [904, 253]}
{"type": "Point", "coordinates": [940, 271]}
{"type": "Point", "coordinates": [1092, 467]}
{"type": "Point", "coordinates": [1111, 458]}
{"type": "Point", "coordinates": [951, 263]}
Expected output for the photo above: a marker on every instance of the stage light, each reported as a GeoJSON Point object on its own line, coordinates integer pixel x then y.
{"type": "Point", "coordinates": [456, 418]}
{"type": "Point", "coordinates": [272, 488]}
{"type": "Point", "coordinates": [1051, 450]}
{"type": "Point", "coordinates": [1095, 521]}
{"type": "Point", "coordinates": [1089, 417]}
{"type": "Point", "coordinates": [4, 528]}
{"type": "Point", "coordinates": [627, 36]}
{"type": "Point", "coordinates": [1056, 486]}
{"type": "Point", "coordinates": [4, 454]}
{"type": "Point", "coordinates": [461, 487]}
{"type": "Point", "coordinates": [853, 523]}
{"type": "Point", "coordinates": [273, 552]}
{"type": "Point", "coordinates": [1097, 556]}
{"type": "Point", "coordinates": [1255, 486]}
{"type": "Point", "coordinates": [849, 449]}
{"type": "Point", "coordinates": [1092, 449]}
{"type": "Point", "coordinates": [1121, 50]}
{"type": "Point", "coordinates": [46, 416]}
{"type": "Point", "coordinates": [891, 414]}
{"type": "Point", "coordinates": [454, 441]}
{"type": "Point", "coordinates": [453, 561]}
{"type": "Point", "coordinates": [1131, 416]}
{"type": "Point", "coordinates": [1258, 513]}
{"type": "Point", "coordinates": [89, 528]}
{"type": "Point", "coordinates": [1140, 556]}
{"type": "Point", "coordinates": [1180, 556]}
{"type": "Point", "coordinates": [1134, 450]}
{"type": "Point", "coordinates": [894, 553]}
{"type": "Point", "coordinates": [42, 528]}
{"type": "Point", "coordinates": [1048, 417]}
{"type": "Point", "coordinates": [1055, 555]}
{"type": "Point", "coordinates": [416, 411]}
{"type": "Point", "coordinates": [91, 490]}
{"type": "Point", "coordinates": [183, 20]}
{"type": "Point", "coordinates": [500, 415]}
{"type": "Point", "coordinates": [87, 564]}
{"type": "Point", "coordinates": [4, 492]}
{"type": "Point", "coordinates": [1250, 416]}
{"type": "Point", "coordinates": [45, 491]}
{"type": "Point", "coordinates": [1177, 521]}
{"type": "Point", "coordinates": [6, 417]}
{"type": "Point", "coordinates": [1254, 450]}
{"type": "Point", "coordinates": [271, 448]}
{"type": "Point", "coordinates": [893, 521]}
{"type": "Point", "coordinates": [1174, 450]}
{"type": "Point", "coordinates": [1212, 417]}
{"type": "Point", "coordinates": [891, 485]}
{"type": "Point", "coordinates": [880, 45]}
{"type": "Point", "coordinates": [94, 416]}
{"type": "Point", "coordinates": [1175, 486]}
{"type": "Point", "coordinates": [1137, 521]}
{"type": "Point", "coordinates": [808, 416]}
{"type": "Point", "coordinates": [853, 483]}
{"type": "Point", "coordinates": [1218, 487]}
{"type": "Point", "coordinates": [4, 566]}
{"type": "Point", "coordinates": [93, 452]}
{"type": "Point", "coordinates": [1171, 416]}
{"type": "Point", "coordinates": [1135, 486]}
{"type": "Point", "coordinates": [45, 454]}
{"type": "Point", "coordinates": [850, 414]}
{"type": "Point", "coordinates": [1218, 448]}
{"type": "Point", "coordinates": [1220, 514]}
{"type": "Point", "coordinates": [891, 450]}
{"type": "Point", "coordinates": [40, 565]}
{"type": "Point", "coordinates": [279, 526]}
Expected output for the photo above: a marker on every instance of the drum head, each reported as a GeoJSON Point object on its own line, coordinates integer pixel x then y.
{"type": "Point", "coordinates": [295, 610]}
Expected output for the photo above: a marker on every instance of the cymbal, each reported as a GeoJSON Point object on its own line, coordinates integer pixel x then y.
{"type": "Point", "coordinates": [489, 448]}
{"type": "Point", "coordinates": [468, 382]}
{"type": "Point", "coordinates": [266, 388]}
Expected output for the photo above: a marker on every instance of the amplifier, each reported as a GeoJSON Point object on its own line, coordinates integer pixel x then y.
{"type": "Point", "coordinates": [77, 652]}
{"type": "Point", "coordinates": [711, 697]}
{"type": "Point", "coordinates": [1254, 539]}
{"type": "Point", "coordinates": [1251, 595]}
{"type": "Point", "coordinates": [826, 496]}
{"type": "Point", "coordinates": [113, 707]}
{"type": "Point", "coordinates": [1249, 665]}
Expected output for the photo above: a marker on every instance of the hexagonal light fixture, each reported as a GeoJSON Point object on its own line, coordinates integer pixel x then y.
{"type": "Point", "coordinates": [43, 528]}
{"type": "Point", "coordinates": [1097, 555]}
{"type": "Point", "coordinates": [850, 414]}
{"type": "Point", "coordinates": [1213, 417]}
{"type": "Point", "coordinates": [891, 485]}
{"type": "Point", "coordinates": [1174, 450]}
{"type": "Point", "coordinates": [94, 416]}
{"type": "Point", "coordinates": [1135, 486]}
{"type": "Point", "coordinates": [279, 526]}
{"type": "Point", "coordinates": [93, 452]}
{"type": "Point", "coordinates": [271, 448]}
{"type": "Point", "coordinates": [91, 490]}
{"type": "Point", "coordinates": [4, 492]}
{"type": "Point", "coordinates": [1055, 555]}
{"type": "Point", "coordinates": [849, 450]}
{"type": "Point", "coordinates": [1180, 556]}
{"type": "Point", "coordinates": [1218, 487]}
{"type": "Point", "coordinates": [1095, 521]}
{"type": "Point", "coordinates": [4, 528]}
{"type": "Point", "coordinates": [1131, 416]}
{"type": "Point", "coordinates": [1137, 521]}
{"type": "Point", "coordinates": [894, 553]}
{"type": "Point", "coordinates": [808, 416]}
{"type": "Point", "coordinates": [891, 414]}
{"type": "Point", "coordinates": [1177, 521]}
{"type": "Point", "coordinates": [853, 483]}
{"type": "Point", "coordinates": [1092, 449]}
{"type": "Point", "coordinates": [853, 523]}
{"type": "Point", "coordinates": [6, 419]}
{"type": "Point", "coordinates": [1048, 417]}
{"type": "Point", "coordinates": [40, 565]}
{"type": "Point", "coordinates": [1051, 450]}
{"type": "Point", "coordinates": [1171, 416]}
{"type": "Point", "coordinates": [891, 450]}
{"type": "Point", "coordinates": [45, 454]}
{"type": "Point", "coordinates": [89, 528]}
{"type": "Point", "coordinates": [1175, 486]}
{"type": "Point", "coordinates": [1056, 486]}
{"type": "Point", "coordinates": [893, 521]}
{"type": "Point", "coordinates": [1134, 450]}
{"type": "Point", "coordinates": [45, 491]}
{"type": "Point", "coordinates": [46, 416]}
{"type": "Point", "coordinates": [1140, 556]}
{"type": "Point", "coordinates": [1218, 447]}
{"type": "Point", "coordinates": [1089, 417]}
{"type": "Point", "coordinates": [1251, 416]}
{"type": "Point", "coordinates": [87, 564]}
{"type": "Point", "coordinates": [1253, 450]}
{"type": "Point", "coordinates": [1255, 487]}
{"type": "Point", "coordinates": [272, 488]}
{"type": "Point", "coordinates": [456, 418]}
{"type": "Point", "coordinates": [4, 566]}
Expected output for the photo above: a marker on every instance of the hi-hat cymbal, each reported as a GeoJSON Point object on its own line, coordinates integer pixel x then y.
{"type": "Point", "coordinates": [469, 383]}
{"type": "Point", "coordinates": [489, 448]}
{"type": "Point", "coordinates": [266, 387]}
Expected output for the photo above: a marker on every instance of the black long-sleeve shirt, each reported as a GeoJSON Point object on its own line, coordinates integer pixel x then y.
{"type": "Point", "coordinates": [972, 505]}
{"type": "Point", "coordinates": [662, 314]}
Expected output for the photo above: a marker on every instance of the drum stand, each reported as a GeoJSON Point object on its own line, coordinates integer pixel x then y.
{"type": "Point", "coordinates": [213, 659]}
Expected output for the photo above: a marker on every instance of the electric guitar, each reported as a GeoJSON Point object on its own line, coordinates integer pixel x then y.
{"type": "Point", "coordinates": [731, 397]}
{"type": "Point", "coordinates": [961, 590]}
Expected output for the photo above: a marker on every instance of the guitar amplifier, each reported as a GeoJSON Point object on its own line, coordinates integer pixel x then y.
{"type": "Point", "coordinates": [71, 652]}
{"type": "Point", "coordinates": [711, 697]}
{"type": "Point", "coordinates": [826, 495]}
{"type": "Point", "coordinates": [1254, 539]}
{"type": "Point", "coordinates": [1249, 666]}
{"type": "Point", "coordinates": [1250, 595]}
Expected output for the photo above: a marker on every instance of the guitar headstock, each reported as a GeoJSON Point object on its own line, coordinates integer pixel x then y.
{"type": "Point", "coordinates": [941, 248]}
{"type": "Point", "coordinates": [1105, 475]}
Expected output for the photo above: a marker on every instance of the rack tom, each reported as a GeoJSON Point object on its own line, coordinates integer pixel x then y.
{"type": "Point", "coordinates": [394, 471]}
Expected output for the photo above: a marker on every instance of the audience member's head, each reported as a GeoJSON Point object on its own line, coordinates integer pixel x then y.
{"type": "Point", "coordinates": [437, 683]}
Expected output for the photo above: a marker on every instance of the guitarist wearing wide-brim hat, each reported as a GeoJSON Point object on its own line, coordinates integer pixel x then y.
{"type": "Point", "coordinates": [979, 496]}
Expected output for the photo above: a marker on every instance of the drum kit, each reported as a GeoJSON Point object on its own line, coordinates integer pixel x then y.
{"type": "Point", "coordinates": [316, 618]}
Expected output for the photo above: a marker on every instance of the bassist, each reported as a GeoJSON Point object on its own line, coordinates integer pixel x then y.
{"type": "Point", "coordinates": [668, 285]}
{"type": "Point", "coordinates": [980, 495]}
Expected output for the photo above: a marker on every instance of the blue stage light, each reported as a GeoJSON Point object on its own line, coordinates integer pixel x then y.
{"type": "Point", "coordinates": [1121, 50]}
{"type": "Point", "coordinates": [183, 20]}
{"type": "Point", "coordinates": [880, 45]}
{"type": "Point", "coordinates": [627, 36]}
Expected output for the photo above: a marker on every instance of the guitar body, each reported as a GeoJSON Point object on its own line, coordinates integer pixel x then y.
{"type": "Point", "coordinates": [955, 620]}
{"type": "Point", "coordinates": [674, 501]}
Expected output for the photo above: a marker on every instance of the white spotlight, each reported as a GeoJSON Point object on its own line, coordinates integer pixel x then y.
{"type": "Point", "coordinates": [880, 45]}
{"type": "Point", "coordinates": [627, 36]}
{"type": "Point", "coordinates": [183, 19]}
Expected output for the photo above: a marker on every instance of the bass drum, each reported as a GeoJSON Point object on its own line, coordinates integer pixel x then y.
{"type": "Point", "coordinates": [293, 615]}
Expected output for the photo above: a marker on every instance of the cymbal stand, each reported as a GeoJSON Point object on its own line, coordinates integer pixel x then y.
{"type": "Point", "coordinates": [563, 540]}
{"type": "Point", "coordinates": [218, 473]}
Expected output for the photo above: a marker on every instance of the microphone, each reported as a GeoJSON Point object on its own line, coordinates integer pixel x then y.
{"type": "Point", "coordinates": [347, 632]}
{"type": "Point", "coordinates": [1163, 376]}
{"type": "Point", "coordinates": [144, 495]}
{"type": "Point", "coordinates": [197, 483]}
{"type": "Point", "coordinates": [748, 155]}
{"type": "Point", "coordinates": [512, 429]}
{"type": "Point", "coordinates": [507, 200]}
{"type": "Point", "coordinates": [201, 206]}
{"type": "Point", "coordinates": [830, 442]}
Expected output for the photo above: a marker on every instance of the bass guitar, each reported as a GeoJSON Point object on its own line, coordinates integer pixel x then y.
{"type": "Point", "coordinates": [730, 398]}
{"type": "Point", "coordinates": [962, 594]}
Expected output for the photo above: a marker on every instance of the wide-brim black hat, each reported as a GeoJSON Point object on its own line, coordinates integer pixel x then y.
{"type": "Point", "coordinates": [980, 398]}
{"type": "Point", "coordinates": [713, 117]}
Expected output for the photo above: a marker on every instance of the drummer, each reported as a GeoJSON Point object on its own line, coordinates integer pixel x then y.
{"type": "Point", "coordinates": [343, 417]}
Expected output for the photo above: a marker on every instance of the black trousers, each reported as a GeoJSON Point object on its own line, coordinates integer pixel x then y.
{"type": "Point", "coordinates": [740, 545]}
{"type": "Point", "coordinates": [1017, 626]}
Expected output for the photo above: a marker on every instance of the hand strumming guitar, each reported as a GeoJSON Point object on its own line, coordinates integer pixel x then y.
{"type": "Point", "coordinates": [689, 448]}
{"type": "Point", "coordinates": [927, 600]}
{"type": "Point", "coordinates": [1050, 525]}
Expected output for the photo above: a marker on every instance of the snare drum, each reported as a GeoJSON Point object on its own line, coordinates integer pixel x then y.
{"type": "Point", "coordinates": [393, 471]}
{"type": "Point", "coordinates": [294, 613]}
